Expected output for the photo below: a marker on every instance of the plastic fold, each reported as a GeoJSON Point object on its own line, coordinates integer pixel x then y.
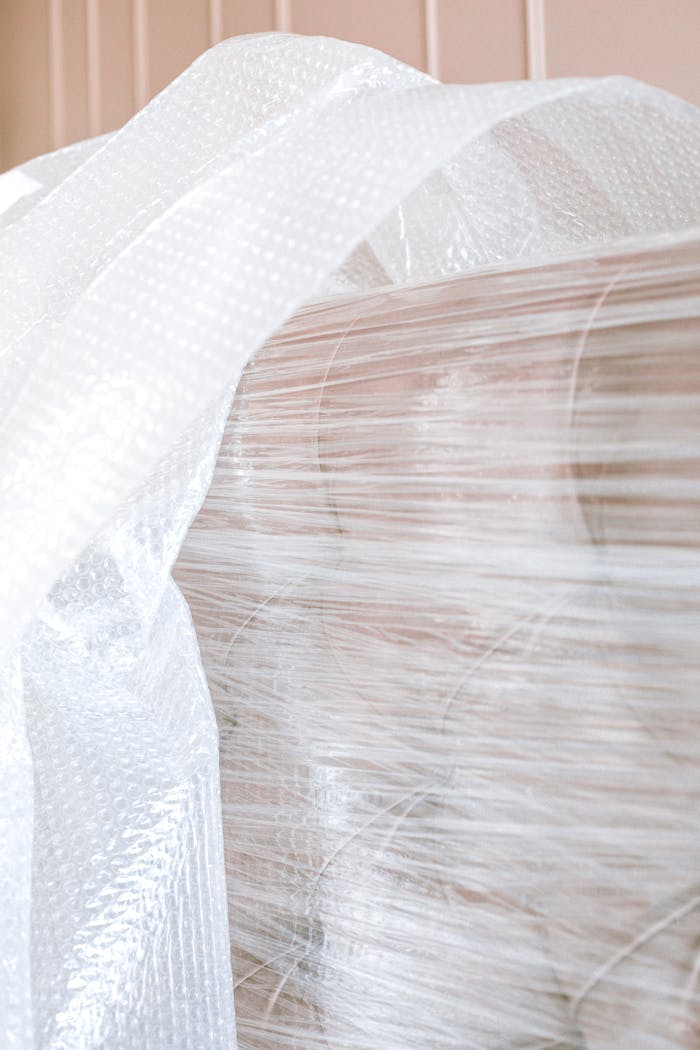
{"type": "Point", "coordinates": [370, 692]}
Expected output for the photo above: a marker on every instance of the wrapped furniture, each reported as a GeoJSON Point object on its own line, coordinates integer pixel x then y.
{"type": "Point", "coordinates": [349, 459]}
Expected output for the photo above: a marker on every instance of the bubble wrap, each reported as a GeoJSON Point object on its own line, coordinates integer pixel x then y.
{"type": "Point", "coordinates": [137, 282]}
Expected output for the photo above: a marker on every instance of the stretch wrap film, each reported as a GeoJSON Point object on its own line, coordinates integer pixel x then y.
{"type": "Point", "coordinates": [367, 696]}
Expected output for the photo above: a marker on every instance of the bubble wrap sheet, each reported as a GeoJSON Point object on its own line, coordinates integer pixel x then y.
{"type": "Point", "coordinates": [444, 582]}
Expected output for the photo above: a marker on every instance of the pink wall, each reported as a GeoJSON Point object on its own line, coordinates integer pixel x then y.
{"type": "Point", "coordinates": [72, 68]}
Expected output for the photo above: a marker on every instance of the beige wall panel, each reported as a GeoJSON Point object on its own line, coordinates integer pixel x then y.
{"type": "Point", "coordinates": [653, 40]}
{"type": "Point", "coordinates": [24, 80]}
{"type": "Point", "coordinates": [73, 21]}
{"type": "Point", "coordinates": [70, 68]}
{"type": "Point", "coordinates": [395, 26]}
{"type": "Point", "coordinates": [477, 41]}
{"type": "Point", "coordinates": [113, 63]}
{"type": "Point", "coordinates": [238, 17]}
{"type": "Point", "coordinates": [177, 31]}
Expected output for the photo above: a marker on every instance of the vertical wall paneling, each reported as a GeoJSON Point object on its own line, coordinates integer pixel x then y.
{"type": "Point", "coordinates": [71, 68]}
{"type": "Point", "coordinates": [142, 87]}
{"type": "Point", "coordinates": [116, 63]}
{"type": "Point", "coordinates": [57, 98]}
{"type": "Point", "coordinates": [25, 118]}
{"type": "Point", "coordinates": [94, 82]}
{"type": "Point", "coordinates": [74, 41]}
{"type": "Point", "coordinates": [395, 26]}
{"type": "Point", "coordinates": [216, 21]}
{"type": "Point", "coordinates": [248, 18]}
{"type": "Point", "coordinates": [536, 40]}
{"type": "Point", "coordinates": [432, 38]}
{"type": "Point", "coordinates": [283, 16]}
{"type": "Point", "coordinates": [178, 31]}
{"type": "Point", "coordinates": [481, 41]}
{"type": "Point", "coordinates": [5, 84]}
{"type": "Point", "coordinates": [653, 40]}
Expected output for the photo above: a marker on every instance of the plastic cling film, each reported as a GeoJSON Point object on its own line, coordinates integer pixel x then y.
{"type": "Point", "coordinates": [443, 582]}
{"type": "Point", "coordinates": [446, 588]}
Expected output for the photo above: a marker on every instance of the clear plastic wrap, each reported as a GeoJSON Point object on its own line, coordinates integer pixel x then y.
{"type": "Point", "coordinates": [448, 605]}
{"type": "Point", "coordinates": [444, 581]}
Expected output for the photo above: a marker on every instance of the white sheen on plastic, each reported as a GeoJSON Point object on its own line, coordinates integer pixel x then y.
{"type": "Point", "coordinates": [444, 582]}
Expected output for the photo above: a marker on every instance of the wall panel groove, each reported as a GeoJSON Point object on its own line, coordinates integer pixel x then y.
{"type": "Point", "coordinates": [536, 40]}
{"type": "Point", "coordinates": [94, 83]}
{"type": "Point", "coordinates": [283, 16]}
{"type": "Point", "coordinates": [57, 96]}
{"type": "Point", "coordinates": [432, 38]}
{"type": "Point", "coordinates": [216, 21]}
{"type": "Point", "coordinates": [70, 68]}
{"type": "Point", "coordinates": [141, 50]}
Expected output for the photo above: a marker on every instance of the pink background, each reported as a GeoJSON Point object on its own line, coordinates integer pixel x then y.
{"type": "Point", "coordinates": [73, 68]}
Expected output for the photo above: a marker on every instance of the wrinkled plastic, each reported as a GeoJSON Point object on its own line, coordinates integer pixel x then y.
{"type": "Point", "coordinates": [448, 607]}
{"type": "Point", "coordinates": [426, 580]}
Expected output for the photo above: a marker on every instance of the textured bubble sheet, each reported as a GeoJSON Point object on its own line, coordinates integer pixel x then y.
{"type": "Point", "coordinates": [443, 584]}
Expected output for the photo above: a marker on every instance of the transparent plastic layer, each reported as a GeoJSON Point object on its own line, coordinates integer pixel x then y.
{"type": "Point", "coordinates": [447, 588]}
{"type": "Point", "coordinates": [443, 583]}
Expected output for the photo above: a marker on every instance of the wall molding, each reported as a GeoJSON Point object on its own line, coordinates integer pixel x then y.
{"type": "Point", "coordinates": [139, 13]}
{"type": "Point", "coordinates": [431, 29]}
{"type": "Point", "coordinates": [57, 89]}
{"type": "Point", "coordinates": [94, 82]}
{"type": "Point", "coordinates": [536, 32]}
{"type": "Point", "coordinates": [283, 16]}
{"type": "Point", "coordinates": [216, 22]}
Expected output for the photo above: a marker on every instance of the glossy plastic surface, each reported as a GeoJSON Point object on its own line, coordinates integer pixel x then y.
{"type": "Point", "coordinates": [137, 283]}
